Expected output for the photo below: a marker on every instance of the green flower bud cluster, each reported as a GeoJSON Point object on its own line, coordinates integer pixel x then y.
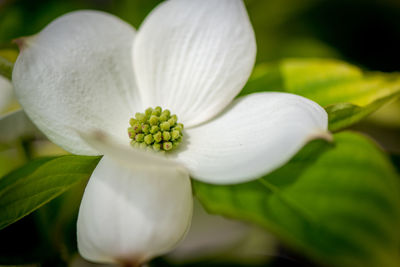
{"type": "Point", "coordinates": [155, 129]}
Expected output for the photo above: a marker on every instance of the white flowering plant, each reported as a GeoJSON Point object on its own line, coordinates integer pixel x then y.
{"type": "Point", "coordinates": [156, 116]}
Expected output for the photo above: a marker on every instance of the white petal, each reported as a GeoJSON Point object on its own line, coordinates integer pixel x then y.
{"type": "Point", "coordinates": [255, 135]}
{"type": "Point", "coordinates": [131, 217]}
{"type": "Point", "coordinates": [78, 73]}
{"type": "Point", "coordinates": [194, 57]}
{"type": "Point", "coordinates": [6, 93]}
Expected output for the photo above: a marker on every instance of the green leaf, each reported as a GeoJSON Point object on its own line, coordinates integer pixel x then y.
{"type": "Point", "coordinates": [337, 203]}
{"type": "Point", "coordinates": [344, 114]}
{"type": "Point", "coordinates": [47, 235]}
{"type": "Point", "coordinates": [6, 67]}
{"type": "Point", "coordinates": [347, 93]}
{"type": "Point", "coordinates": [9, 54]}
{"type": "Point", "coordinates": [33, 185]}
{"type": "Point", "coordinates": [265, 77]}
{"type": "Point", "coordinates": [22, 243]}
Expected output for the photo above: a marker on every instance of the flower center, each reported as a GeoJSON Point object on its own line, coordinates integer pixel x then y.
{"type": "Point", "coordinates": [155, 129]}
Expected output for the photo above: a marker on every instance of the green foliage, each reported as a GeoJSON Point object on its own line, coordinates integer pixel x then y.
{"type": "Point", "coordinates": [6, 67]}
{"type": "Point", "coordinates": [47, 235]}
{"type": "Point", "coordinates": [9, 54]}
{"type": "Point", "coordinates": [39, 181]}
{"type": "Point", "coordinates": [338, 203]}
{"type": "Point", "coordinates": [344, 90]}
{"type": "Point", "coordinates": [345, 114]}
{"type": "Point", "coordinates": [134, 11]}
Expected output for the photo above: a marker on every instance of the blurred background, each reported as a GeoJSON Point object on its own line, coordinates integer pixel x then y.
{"type": "Point", "coordinates": [365, 33]}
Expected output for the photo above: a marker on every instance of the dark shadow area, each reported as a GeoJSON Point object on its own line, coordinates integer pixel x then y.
{"type": "Point", "coordinates": [366, 32]}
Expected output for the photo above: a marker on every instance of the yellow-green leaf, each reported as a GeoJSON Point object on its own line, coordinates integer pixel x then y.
{"type": "Point", "coordinates": [337, 203]}
{"type": "Point", "coordinates": [347, 93]}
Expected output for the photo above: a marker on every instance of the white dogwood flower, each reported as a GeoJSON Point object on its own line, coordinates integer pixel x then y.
{"type": "Point", "coordinates": [84, 77]}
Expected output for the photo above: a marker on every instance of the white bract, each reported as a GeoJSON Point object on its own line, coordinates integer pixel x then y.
{"type": "Point", "coordinates": [86, 74]}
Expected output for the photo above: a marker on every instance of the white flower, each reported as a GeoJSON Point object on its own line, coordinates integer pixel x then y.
{"type": "Point", "coordinates": [89, 72]}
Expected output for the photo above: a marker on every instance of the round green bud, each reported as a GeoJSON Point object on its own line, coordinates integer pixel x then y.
{"type": "Point", "coordinates": [157, 111]}
{"type": "Point", "coordinates": [166, 113]}
{"type": "Point", "coordinates": [178, 128]}
{"type": "Point", "coordinates": [148, 139]}
{"type": "Point", "coordinates": [173, 120]}
{"type": "Point", "coordinates": [164, 126]}
{"type": "Point", "coordinates": [157, 137]}
{"type": "Point", "coordinates": [131, 132]}
{"type": "Point", "coordinates": [145, 128]}
{"type": "Point", "coordinates": [155, 130]}
{"type": "Point", "coordinates": [166, 136]}
{"type": "Point", "coordinates": [175, 134]}
{"type": "Point", "coordinates": [140, 117]}
{"type": "Point", "coordinates": [132, 121]}
{"type": "Point", "coordinates": [167, 146]}
{"type": "Point", "coordinates": [136, 128]}
{"type": "Point", "coordinates": [163, 118]}
{"type": "Point", "coordinates": [148, 112]}
{"type": "Point", "coordinates": [139, 137]}
{"type": "Point", "coordinates": [153, 120]}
